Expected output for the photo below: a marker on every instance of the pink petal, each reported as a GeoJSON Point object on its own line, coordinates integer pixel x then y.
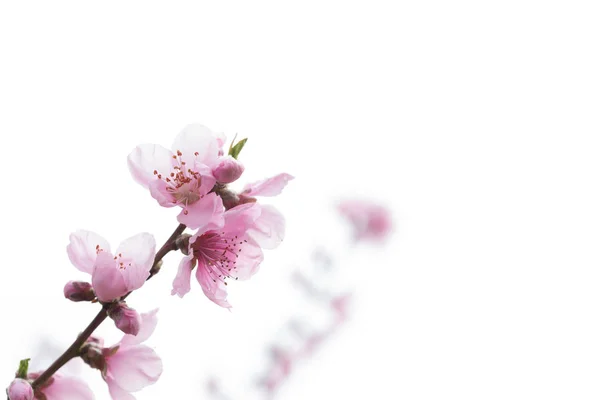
{"type": "Point", "coordinates": [116, 392]}
{"type": "Point", "coordinates": [107, 280]}
{"type": "Point", "coordinates": [199, 139]}
{"type": "Point", "coordinates": [82, 249]}
{"type": "Point", "coordinates": [134, 367]}
{"type": "Point", "coordinates": [215, 290]}
{"type": "Point", "coordinates": [147, 327]}
{"type": "Point", "coordinates": [241, 217]}
{"type": "Point", "coordinates": [147, 158]}
{"type": "Point", "coordinates": [268, 187]}
{"type": "Point", "coordinates": [249, 259]}
{"type": "Point", "coordinates": [67, 388]}
{"type": "Point", "coordinates": [206, 211]}
{"type": "Point", "coordinates": [137, 255]}
{"type": "Point", "coordinates": [269, 228]}
{"type": "Point", "coordinates": [181, 283]}
{"type": "Point", "coordinates": [158, 190]}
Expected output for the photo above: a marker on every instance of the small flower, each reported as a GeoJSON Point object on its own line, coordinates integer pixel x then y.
{"type": "Point", "coordinates": [60, 387]}
{"type": "Point", "coordinates": [130, 365]}
{"type": "Point", "coordinates": [126, 318]}
{"type": "Point", "coordinates": [182, 177]}
{"type": "Point", "coordinates": [20, 389]}
{"type": "Point", "coordinates": [112, 275]}
{"type": "Point", "coordinates": [220, 254]}
{"type": "Point", "coordinates": [127, 366]}
{"type": "Point", "coordinates": [228, 170]}
{"type": "Point", "coordinates": [79, 291]}
{"type": "Point", "coordinates": [370, 221]}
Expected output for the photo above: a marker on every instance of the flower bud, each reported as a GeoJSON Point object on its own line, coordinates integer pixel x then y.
{"type": "Point", "coordinates": [20, 389]}
{"type": "Point", "coordinates": [228, 170]}
{"type": "Point", "coordinates": [126, 318]}
{"type": "Point", "coordinates": [79, 291]}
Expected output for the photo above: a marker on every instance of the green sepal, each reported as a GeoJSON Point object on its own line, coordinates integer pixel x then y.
{"type": "Point", "coordinates": [234, 151]}
{"type": "Point", "coordinates": [23, 368]}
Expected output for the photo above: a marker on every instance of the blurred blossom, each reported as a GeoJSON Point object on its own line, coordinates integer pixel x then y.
{"type": "Point", "coordinates": [370, 221]}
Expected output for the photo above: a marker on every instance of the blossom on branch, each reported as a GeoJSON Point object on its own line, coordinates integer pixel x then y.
{"type": "Point", "coordinates": [112, 275]}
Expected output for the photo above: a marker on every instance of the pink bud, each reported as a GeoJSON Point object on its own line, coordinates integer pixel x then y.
{"type": "Point", "coordinates": [20, 389]}
{"type": "Point", "coordinates": [79, 291]}
{"type": "Point", "coordinates": [126, 318]}
{"type": "Point", "coordinates": [228, 170]}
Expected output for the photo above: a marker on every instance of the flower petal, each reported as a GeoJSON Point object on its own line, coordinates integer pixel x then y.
{"type": "Point", "coordinates": [116, 392]}
{"type": "Point", "coordinates": [248, 260]}
{"type": "Point", "coordinates": [268, 187]}
{"type": "Point", "coordinates": [269, 228]}
{"type": "Point", "coordinates": [198, 139]}
{"type": "Point", "coordinates": [134, 367]}
{"type": "Point", "coordinates": [181, 283]}
{"type": "Point", "coordinates": [67, 388]}
{"type": "Point", "coordinates": [147, 327]}
{"type": "Point", "coordinates": [158, 190]}
{"type": "Point", "coordinates": [204, 212]}
{"type": "Point", "coordinates": [214, 289]}
{"type": "Point", "coordinates": [137, 256]}
{"type": "Point", "coordinates": [107, 280]}
{"type": "Point", "coordinates": [147, 158]}
{"type": "Point", "coordinates": [241, 217]}
{"type": "Point", "coordinates": [82, 249]}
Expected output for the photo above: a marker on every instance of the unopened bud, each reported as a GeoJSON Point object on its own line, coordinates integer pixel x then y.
{"type": "Point", "coordinates": [79, 291]}
{"type": "Point", "coordinates": [228, 170]}
{"type": "Point", "coordinates": [126, 319]}
{"type": "Point", "coordinates": [20, 389]}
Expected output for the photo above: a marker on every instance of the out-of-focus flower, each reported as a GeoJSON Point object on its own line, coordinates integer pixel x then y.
{"type": "Point", "coordinates": [126, 318]}
{"type": "Point", "coordinates": [370, 221]}
{"type": "Point", "coordinates": [182, 177]}
{"type": "Point", "coordinates": [20, 389]}
{"type": "Point", "coordinates": [60, 387]}
{"type": "Point", "coordinates": [221, 253]}
{"type": "Point", "coordinates": [112, 275]}
{"type": "Point", "coordinates": [228, 170]}
{"type": "Point", "coordinates": [79, 291]}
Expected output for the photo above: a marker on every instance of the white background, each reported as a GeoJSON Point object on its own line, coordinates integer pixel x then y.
{"type": "Point", "coordinates": [476, 122]}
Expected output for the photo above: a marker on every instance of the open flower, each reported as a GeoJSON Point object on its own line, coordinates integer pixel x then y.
{"type": "Point", "coordinates": [182, 176]}
{"type": "Point", "coordinates": [61, 387]}
{"type": "Point", "coordinates": [112, 275]}
{"type": "Point", "coordinates": [221, 253]}
{"type": "Point", "coordinates": [131, 365]}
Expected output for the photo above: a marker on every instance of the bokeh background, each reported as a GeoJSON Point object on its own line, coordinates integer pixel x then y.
{"type": "Point", "coordinates": [475, 122]}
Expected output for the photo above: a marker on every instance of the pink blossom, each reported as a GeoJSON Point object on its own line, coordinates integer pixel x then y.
{"type": "Point", "coordinates": [182, 177]}
{"type": "Point", "coordinates": [20, 389]}
{"type": "Point", "coordinates": [130, 365]}
{"type": "Point", "coordinates": [112, 275]}
{"type": "Point", "coordinates": [369, 220]}
{"type": "Point", "coordinates": [221, 253]}
{"type": "Point", "coordinates": [60, 387]}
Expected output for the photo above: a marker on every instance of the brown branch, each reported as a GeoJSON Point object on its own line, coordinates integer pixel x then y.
{"type": "Point", "coordinates": [73, 350]}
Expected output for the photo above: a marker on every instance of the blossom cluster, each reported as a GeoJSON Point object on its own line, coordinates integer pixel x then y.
{"type": "Point", "coordinates": [230, 230]}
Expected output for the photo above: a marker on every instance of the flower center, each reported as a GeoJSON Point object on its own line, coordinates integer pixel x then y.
{"type": "Point", "coordinates": [220, 252]}
{"type": "Point", "coordinates": [183, 183]}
